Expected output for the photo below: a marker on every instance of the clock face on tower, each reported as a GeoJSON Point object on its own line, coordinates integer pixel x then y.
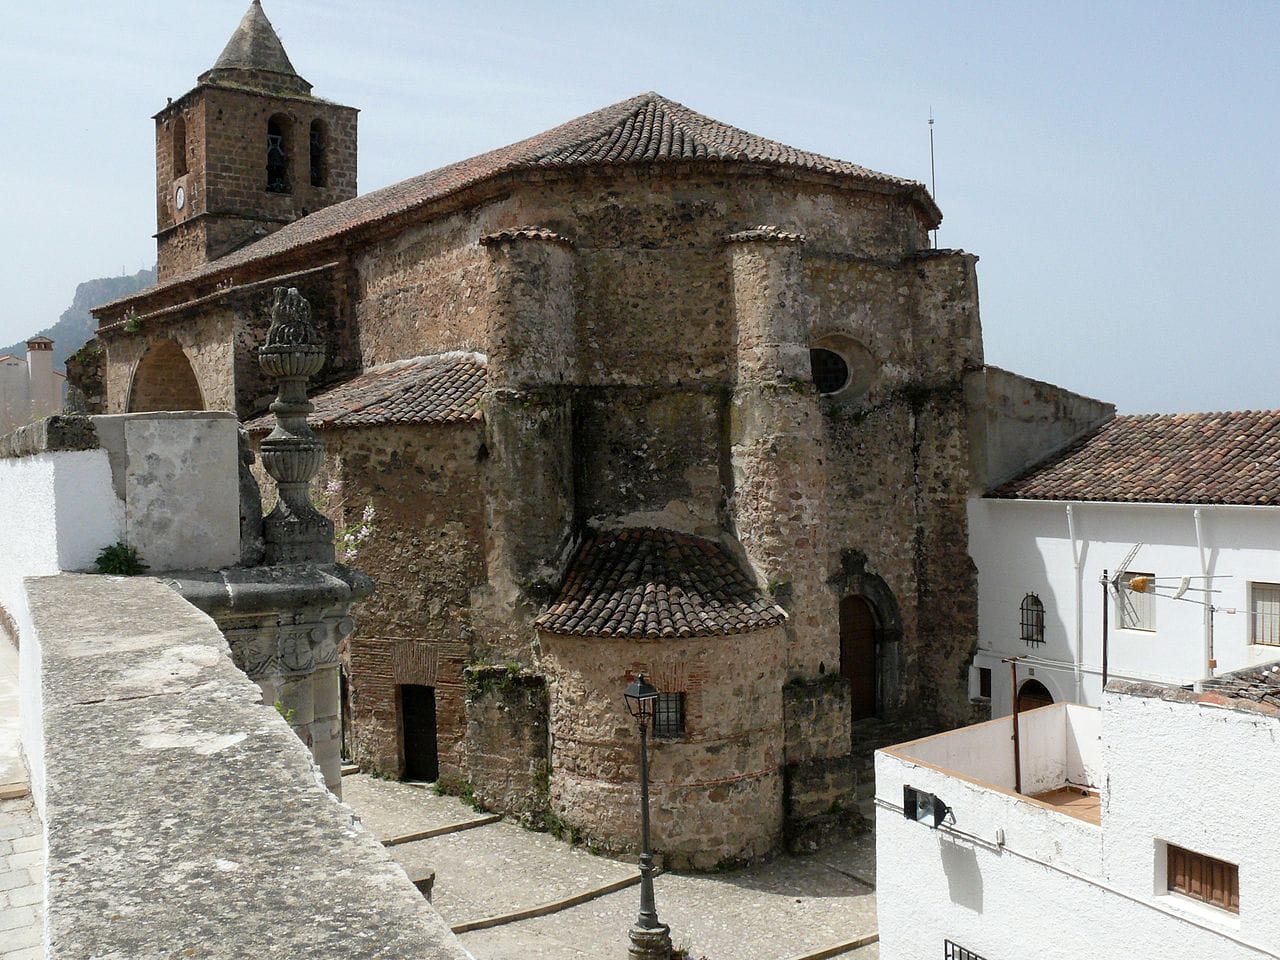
{"type": "Point", "coordinates": [180, 198]}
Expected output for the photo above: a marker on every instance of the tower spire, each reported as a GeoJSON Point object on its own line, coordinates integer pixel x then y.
{"type": "Point", "coordinates": [255, 58]}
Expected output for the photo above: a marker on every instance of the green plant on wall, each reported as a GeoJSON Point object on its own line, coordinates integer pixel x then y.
{"type": "Point", "coordinates": [120, 560]}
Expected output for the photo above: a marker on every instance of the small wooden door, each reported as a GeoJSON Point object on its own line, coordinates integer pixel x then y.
{"type": "Point", "coordinates": [858, 654]}
{"type": "Point", "coordinates": [418, 730]}
{"type": "Point", "coordinates": [1033, 694]}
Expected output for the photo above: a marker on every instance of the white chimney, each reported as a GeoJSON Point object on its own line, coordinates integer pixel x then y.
{"type": "Point", "coordinates": [44, 389]}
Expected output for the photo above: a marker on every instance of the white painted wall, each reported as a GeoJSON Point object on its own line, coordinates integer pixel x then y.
{"type": "Point", "coordinates": [179, 477]}
{"type": "Point", "coordinates": [1059, 888]}
{"type": "Point", "coordinates": [1023, 546]}
{"type": "Point", "coordinates": [63, 511]}
{"type": "Point", "coordinates": [15, 396]}
{"type": "Point", "coordinates": [1203, 777]}
{"type": "Point", "coordinates": [166, 484]}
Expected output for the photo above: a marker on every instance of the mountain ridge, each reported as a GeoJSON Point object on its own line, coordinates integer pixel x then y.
{"type": "Point", "coordinates": [76, 325]}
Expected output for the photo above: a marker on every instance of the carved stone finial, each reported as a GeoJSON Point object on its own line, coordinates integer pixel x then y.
{"type": "Point", "coordinates": [295, 531]}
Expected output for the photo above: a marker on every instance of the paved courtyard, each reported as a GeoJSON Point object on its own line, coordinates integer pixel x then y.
{"type": "Point", "coordinates": [510, 893]}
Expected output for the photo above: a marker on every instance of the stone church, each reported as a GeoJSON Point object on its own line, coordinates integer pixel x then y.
{"type": "Point", "coordinates": [644, 392]}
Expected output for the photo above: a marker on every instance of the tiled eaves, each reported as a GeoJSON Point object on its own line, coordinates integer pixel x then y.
{"type": "Point", "coordinates": [647, 129]}
{"type": "Point", "coordinates": [1195, 458]}
{"type": "Point", "coordinates": [652, 583]}
{"type": "Point", "coordinates": [435, 389]}
{"type": "Point", "coordinates": [525, 233]}
{"type": "Point", "coordinates": [765, 232]}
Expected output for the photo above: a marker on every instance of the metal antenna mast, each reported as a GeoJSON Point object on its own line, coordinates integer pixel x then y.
{"type": "Point", "coordinates": [933, 174]}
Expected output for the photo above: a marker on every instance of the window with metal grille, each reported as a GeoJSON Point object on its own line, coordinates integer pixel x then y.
{"type": "Point", "coordinates": [668, 715]}
{"type": "Point", "coordinates": [953, 951]}
{"type": "Point", "coordinates": [319, 161]}
{"type": "Point", "coordinates": [830, 372]}
{"type": "Point", "coordinates": [1264, 613]}
{"type": "Point", "coordinates": [1137, 611]}
{"type": "Point", "coordinates": [277, 156]}
{"type": "Point", "coordinates": [1204, 878]}
{"type": "Point", "coordinates": [1032, 619]}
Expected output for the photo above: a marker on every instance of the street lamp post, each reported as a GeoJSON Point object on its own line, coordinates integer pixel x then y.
{"type": "Point", "coordinates": [650, 938]}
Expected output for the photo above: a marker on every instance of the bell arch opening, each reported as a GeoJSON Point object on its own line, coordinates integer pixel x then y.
{"type": "Point", "coordinates": [164, 380]}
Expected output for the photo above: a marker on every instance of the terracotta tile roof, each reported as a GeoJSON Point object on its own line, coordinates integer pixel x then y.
{"type": "Point", "coordinates": [647, 128]}
{"type": "Point", "coordinates": [1164, 458]}
{"type": "Point", "coordinates": [1259, 684]}
{"type": "Point", "coordinates": [646, 582]}
{"type": "Point", "coordinates": [441, 388]}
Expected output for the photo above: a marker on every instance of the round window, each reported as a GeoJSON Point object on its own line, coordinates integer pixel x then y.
{"type": "Point", "coordinates": [830, 372]}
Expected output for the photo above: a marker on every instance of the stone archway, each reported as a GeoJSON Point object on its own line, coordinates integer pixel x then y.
{"type": "Point", "coordinates": [164, 380]}
{"type": "Point", "coordinates": [867, 602]}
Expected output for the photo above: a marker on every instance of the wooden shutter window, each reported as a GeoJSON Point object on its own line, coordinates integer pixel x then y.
{"type": "Point", "coordinates": [1204, 878]}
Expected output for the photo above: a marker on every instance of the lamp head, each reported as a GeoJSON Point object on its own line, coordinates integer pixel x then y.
{"type": "Point", "coordinates": [640, 696]}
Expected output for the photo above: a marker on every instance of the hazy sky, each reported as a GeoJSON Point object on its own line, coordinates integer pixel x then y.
{"type": "Point", "coordinates": [1114, 165]}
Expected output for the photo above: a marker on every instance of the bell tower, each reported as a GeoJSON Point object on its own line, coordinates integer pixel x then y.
{"type": "Point", "coordinates": [245, 152]}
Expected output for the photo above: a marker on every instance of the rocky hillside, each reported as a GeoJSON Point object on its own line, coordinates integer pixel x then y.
{"type": "Point", "coordinates": [75, 326]}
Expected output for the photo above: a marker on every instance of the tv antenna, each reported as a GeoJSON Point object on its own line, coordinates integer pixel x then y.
{"type": "Point", "coordinates": [1124, 584]}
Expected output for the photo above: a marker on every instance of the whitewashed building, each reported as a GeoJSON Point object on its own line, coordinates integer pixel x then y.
{"type": "Point", "coordinates": [30, 388]}
{"type": "Point", "coordinates": [1141, 830]}
{"type": "Point", "coordinates": [1201, 492]}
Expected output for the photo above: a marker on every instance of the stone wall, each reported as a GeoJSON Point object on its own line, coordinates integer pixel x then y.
{"type": "Point", "coordinates": [1017, 422]}
{"type": "Point", "coordinates": [716, 792]}
{"type": "Point", "coordinates": [219, 337]}
{"type": "Point", "coordinates": [425, 553]}
{"type": "Point", "coordinates": [507, 737]}
{"type": "Point", "coordinates": [820, 780]}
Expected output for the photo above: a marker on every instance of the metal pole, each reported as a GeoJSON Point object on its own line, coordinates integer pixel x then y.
{"type": "Point", "coordinates": [650, 938]}
{"type": "Point", "coordinates": [648, 910]}
{"type": "Point", "coordinates": [1106, 617]}
{"type": "Point", "coordinates": [1017, 759]}
{"type": "Point", "coordinates": [933, 174]}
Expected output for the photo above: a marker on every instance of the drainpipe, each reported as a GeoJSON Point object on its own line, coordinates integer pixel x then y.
{"type": "Point", "coordinates": [1206, 660]}
{"type": "Point", "coordinates": [1075, 560]}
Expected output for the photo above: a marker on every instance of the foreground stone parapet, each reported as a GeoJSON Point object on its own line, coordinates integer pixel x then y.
{"type": "Point", "coordinates": [183, 816]}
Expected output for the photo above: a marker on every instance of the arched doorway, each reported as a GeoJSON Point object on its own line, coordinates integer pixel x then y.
{"type": "Point", "coordinates": [859, 655]}
{"type": "Point", "coordinates": [1033, 694]}
{"type": "Point", "coordinates": [164, 380]}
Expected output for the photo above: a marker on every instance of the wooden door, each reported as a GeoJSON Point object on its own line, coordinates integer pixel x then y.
{"type": "Point", "coordinates": [858, 654]}
{"type": "Point", "coordinates": [418, 729]}
{"type": "Point", "coordinates": [1033, 694]}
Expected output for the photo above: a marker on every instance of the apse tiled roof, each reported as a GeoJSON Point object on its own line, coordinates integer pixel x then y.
{"type": "Point", "coordinates": [1164, 458]}
{"type": "Point", "coordinates": [652, 583]}
{"type": "Point", "coordinates": [442, 388]}
{"type": "Point", "coordinates": [647, 128]}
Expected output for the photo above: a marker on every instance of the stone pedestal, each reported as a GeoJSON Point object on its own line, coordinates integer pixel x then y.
{"type": "Point", "coordinates": [650, 944]}
{"type": "Point", "coordinates": [284, 625]}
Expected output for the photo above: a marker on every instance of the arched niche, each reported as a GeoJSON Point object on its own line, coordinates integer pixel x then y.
{"type": "Point", "coordinates": [164, 380]}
